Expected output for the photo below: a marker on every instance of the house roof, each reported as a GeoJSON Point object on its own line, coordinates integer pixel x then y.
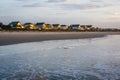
{"type": "Point", "coordinates": [82, 25]}
{"type": "Point", "coordinates": [14, 23]}
{"type": "Point", "coordinates": [27, 23]}
{"type": "Point", "coordinates": [55, 24]}
{"type": "Point", "coordinates": [86, 25]}
{"type": "Point", "coordinates": [89, 25]}
{"type": "Point", "coordinates": [40, 23]}
{"type": "Point", "coordinates": [48, 24]}
{"type": "Point", "coordinates": [74, 25]}
{"type": "Point", "coordinates": [63, 25]}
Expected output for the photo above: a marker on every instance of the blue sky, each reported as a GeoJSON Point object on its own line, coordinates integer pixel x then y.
{"type": "Point", "coordinates": [100, 13]}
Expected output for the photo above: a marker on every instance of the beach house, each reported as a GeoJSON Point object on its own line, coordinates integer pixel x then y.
{"type": "Point", "coordinates": [49, 27]}
{"type": "Point", "coordinates": [64, 27]}
{"type": "Point", "coordinates": [41, 25]}
{"type": "Point", "coordinates": [86, 27]}
{"type": "Point", "coordinates": [31, 26]}
{"type": "Point", "coordinates": [56, 26]}
{"type": "Point", "coordinates": [15, 25]}
{"type": "Point", "coordinates": [75, 27]}
{"type": "Point", "coordinates": [89, 27]}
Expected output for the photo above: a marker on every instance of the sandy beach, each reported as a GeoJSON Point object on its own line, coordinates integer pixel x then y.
{"type": "Point", "coordinates": [7, 38]}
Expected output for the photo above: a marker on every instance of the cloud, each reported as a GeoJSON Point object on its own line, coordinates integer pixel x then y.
{"type": "Point", "coordinates": [90, 4]}
{"type": "Point", "coordinates": [58, 0]}
{"type": "Point", "coordinates": [96, 0]}
{"type": "Point", "coordinates": [105, 1]}
{"type": "Point", "coordinates": [42, 3]}
{"type": "Point", "coordinates": [113, 13]}
{"type": "Point", "coordinates": [24, 0]}
{"type": "Point", "coordinates": [84, 6]}
{"type": "Point", "coordinates": [33, 5]}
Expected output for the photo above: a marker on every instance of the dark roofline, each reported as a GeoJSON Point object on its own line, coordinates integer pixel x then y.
{"type": "Point", "coordinates": [86, 25]}
{"type": "Point", "coordinates": [40, 23]}
{"type": "Point", "coordinates": [75, 25]}
{"type": "Point", "coordinates": [14, 22]}
{"type": "Point", "coordinates": [64, 25]}
{"type": "Point", "coordinates": [28, 23]}
{"type": "Point", "coordinates": [48, 24]}
{"type": "Point", "coordinates": [55, 25]}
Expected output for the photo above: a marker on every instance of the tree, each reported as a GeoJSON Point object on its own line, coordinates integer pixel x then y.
{"type": "Point", "coordinates": [1, 24]}
{"type": "Point", "coordinates": [3, 27]}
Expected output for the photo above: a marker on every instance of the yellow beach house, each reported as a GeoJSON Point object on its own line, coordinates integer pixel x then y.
{"type": "Point", "coordinates": [41, 25]}
{"type": "Point", "coordinates": [31, 26]}
{"type": "Point", "coordinates": [16, 25]}
{"type": "Point", "coordinates": [86, 27]}
{"type": "Point", "coordinates": [64, 27]}
{"type": "Point", "coordinates": [56, 26]}
{"type": "Point", "coordinates": [49, 27]}
{"type": "Point", "coordinates": [75, 27]}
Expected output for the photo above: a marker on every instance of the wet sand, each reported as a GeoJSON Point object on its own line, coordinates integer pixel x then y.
{"type": "Point", "coordinates": [7, 38]}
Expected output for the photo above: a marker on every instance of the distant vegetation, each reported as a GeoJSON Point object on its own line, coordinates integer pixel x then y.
{"type": "Point", "coordinates": [41, 26]}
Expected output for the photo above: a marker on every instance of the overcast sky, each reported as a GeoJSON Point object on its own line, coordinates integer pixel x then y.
{"type": "Point", "coordinates": [100, 13]}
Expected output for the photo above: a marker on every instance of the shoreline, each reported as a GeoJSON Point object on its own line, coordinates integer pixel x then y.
{"type": "Point", "coordinates": [8, 38]}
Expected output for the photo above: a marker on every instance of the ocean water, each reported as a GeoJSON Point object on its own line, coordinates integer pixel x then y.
{"type": "Point", "coordinates": [79, 59]}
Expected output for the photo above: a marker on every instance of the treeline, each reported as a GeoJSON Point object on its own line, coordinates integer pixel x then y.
{"type": "Point", "coordinates": [41, 26]}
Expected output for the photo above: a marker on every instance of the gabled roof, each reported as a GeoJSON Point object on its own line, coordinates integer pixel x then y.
{"type": "Point", "coordinates": [48, 24]}
{"type": "Point", "coordinates": [40, 23]}
{"type": "Point", "coordinates": [75, 25]}
{"type": "Point", "coordinates": [82, 25]}
{"type": "Point", "coordinates": [86, 26]}
{"type": "Point", "coordinates": [89, 26]}
{"type": "Point", "coordinates": [63, 25]}
{"type": "Point", "coordinates": [55, 24]}
{"type": "Point", "coordinates": [14, 23]}
{"type": "Point", "coordinates": [27, 23]}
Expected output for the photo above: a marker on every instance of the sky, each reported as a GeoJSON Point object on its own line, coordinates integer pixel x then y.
{"type": "Point", "coordinates": [99, 13]}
